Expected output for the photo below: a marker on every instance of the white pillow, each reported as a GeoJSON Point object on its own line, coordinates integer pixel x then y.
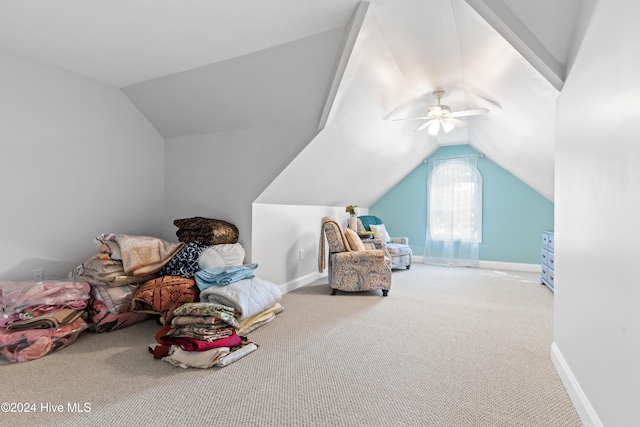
{"type": "Point", "coordinates": [209, 258]}
{"type": "Point", "coordinates": [231, 253]}
{"type": "Point", "coordinates": [380, 232]}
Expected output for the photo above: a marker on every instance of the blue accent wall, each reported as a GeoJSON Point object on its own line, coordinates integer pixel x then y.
{"type": "Point", "coordinates": [513, 214]}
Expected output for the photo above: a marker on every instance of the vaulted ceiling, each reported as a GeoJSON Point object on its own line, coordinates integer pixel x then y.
{"type": "Point", "coordinates": [505, 55]}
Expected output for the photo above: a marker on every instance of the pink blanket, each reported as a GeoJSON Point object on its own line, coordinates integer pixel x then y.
{"type": "Point", "coordinates": [23, 297]}
{"type": "Point", "coordinates": [31, 344]}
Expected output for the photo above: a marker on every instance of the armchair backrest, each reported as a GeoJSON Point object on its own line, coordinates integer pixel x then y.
{"type": "Point", "coordinates": [334, 235]}
{"type": "Point", "coordinates": [367, 220]}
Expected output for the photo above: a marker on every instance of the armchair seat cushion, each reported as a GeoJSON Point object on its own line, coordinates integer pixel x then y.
{"type": "Point", "coordinates": [398, 249]}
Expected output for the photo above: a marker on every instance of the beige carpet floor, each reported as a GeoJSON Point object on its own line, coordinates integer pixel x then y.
{"type": "Point", "coordinates": [447, 347]}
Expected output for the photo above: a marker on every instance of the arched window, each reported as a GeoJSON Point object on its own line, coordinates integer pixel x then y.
{"type": "Point", "coordinates": [454, 212]}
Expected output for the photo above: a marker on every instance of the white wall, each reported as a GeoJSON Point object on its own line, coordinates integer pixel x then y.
{"type": "Point", "coordinates": [280, 232]}
{"type": "Point", "coordinates": [233, 126]}
{"type": "Point", "coordinates": [219, 175]}
{"type": "Point", "coordinates": [78, 159]}
{"type": "Point", "coordinates": [597, 298]}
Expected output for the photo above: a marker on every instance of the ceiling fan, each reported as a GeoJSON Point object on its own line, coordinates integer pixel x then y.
{"type": "Point", "coordinates": [441, 116]}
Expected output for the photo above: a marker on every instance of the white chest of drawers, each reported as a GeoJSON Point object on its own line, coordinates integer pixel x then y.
{"type": "Point", "coordinates": [547, 260]}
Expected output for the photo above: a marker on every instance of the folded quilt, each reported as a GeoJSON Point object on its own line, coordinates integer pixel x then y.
{"type": "Point", "coordinates": [236, 354]}
{"type": "Point", "coordinates": [204, 313]}
{"type": "Point", "coordinates": [201, 333]}
{"type": "Point", "coordinates": [206, 230]}
{"type": "Point", "coordinates": [195, 359]}
{"type": "Point", "coordinates": [141, 255]}
{"type": "Point", "coordinates": [204, 309]}
{"type": "Point", "coordinates": [116, 298]}
{"type": "Point", "coordinates": [100, 270]}
{"type": "Point", "coordinates": [54, 319]}
{"type": "Point", "coordinates": [185, 262]}
{"type": "Point", "coordinates": [222, 276]}
{"type": "Point", "coordinates": [218, 357]}
{"type": "Point", "coordinates": [254, 322]}
{"type": "Point", "coordinates": [220, 255]}
{"type": "Point", "coordinates": [163, 295]}
{"type": "Point", "coordinates": [248, 296]}
{"type": "Point", "coordinates": [190, 344]}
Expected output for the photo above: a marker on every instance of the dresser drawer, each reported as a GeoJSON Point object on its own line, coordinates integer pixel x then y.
{"type": "Point", "coordinates": [545, 240]}
{"type": "Point", "coordinates": [548, 260]}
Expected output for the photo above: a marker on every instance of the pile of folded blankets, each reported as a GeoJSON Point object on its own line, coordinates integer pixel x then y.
{"type": "Point", "coordinates": [199, 290]}
{"type": "Point", "coordinates": [201, 335]}
{"type": "Point", "coordinates": [37, 318]}
{"type": "Point", "coordinates": [109, 305]}
{"type": "Point", "coordinates": [212, 331]}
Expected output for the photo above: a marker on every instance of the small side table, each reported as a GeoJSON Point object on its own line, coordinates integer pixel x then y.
{"type": "Point", "coordinates": [364, 235]}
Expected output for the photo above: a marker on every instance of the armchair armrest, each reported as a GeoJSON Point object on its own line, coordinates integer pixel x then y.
{"type": "Point", "coordinates": [401, 240]}
{"type": "Point", "coordinates": [375, 255]}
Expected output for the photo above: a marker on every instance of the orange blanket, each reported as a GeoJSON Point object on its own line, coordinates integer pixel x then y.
{"type": "Point", "coordinates": [163, 295]}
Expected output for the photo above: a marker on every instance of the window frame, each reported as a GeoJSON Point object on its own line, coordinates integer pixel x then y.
{"type": "Point", "coordinates": [475, 181]}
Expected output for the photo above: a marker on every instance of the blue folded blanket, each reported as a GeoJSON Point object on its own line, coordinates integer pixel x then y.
{"type": "Point", "coordinates": [222, 276]}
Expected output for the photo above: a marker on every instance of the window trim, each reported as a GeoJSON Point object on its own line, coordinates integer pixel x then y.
{"type": "Point", "coordinates": [477, 179]}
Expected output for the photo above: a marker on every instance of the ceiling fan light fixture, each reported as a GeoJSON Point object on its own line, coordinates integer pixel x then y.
{"type": "Point", "coordinates": [440, 116]}
{"type": "Point", "coordinates": [434, 128]}
{"type": "Point", "coordinates": [447, 126]}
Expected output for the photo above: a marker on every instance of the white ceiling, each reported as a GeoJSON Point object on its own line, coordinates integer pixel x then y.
{"type": "Point", "coordinates": [508, 66]}
{"type": "Point", "coordinates": [122, 42]}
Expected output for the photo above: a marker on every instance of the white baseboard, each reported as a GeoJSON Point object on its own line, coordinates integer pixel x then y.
{"type": "Point", "coordinates": [496, 265]}
{"type": "Point", "coordinates": [300, 282]}
{"type": "Point", "coordinates": [586, 412]}
{"type": "Point", "coordinates": [511, 266]}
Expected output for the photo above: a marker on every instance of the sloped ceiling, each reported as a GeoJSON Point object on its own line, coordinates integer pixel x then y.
{"type": "Point", "coordinates": [505, 55]}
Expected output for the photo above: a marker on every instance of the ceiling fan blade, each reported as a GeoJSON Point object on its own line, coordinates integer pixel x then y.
{"type": "Point", "coordinates": [457, 122]}
{"type": "Point", "coordinates": [475, 112]}
{"type": "Point", "coordinates": [423, 126]}
{"type": "Point", "coordinates": [412, 118]}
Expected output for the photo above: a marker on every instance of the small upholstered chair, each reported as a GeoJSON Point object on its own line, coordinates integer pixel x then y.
{"type": "Point", "coordinates": [352, 267]}
{"type": "Point", "coordinates": [396, 248]}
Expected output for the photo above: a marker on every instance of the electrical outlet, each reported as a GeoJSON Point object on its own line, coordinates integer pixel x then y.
{"type": "Point", "coordinates": [301, 254]}
{"type": "Point", "coordinates": [38, 274]}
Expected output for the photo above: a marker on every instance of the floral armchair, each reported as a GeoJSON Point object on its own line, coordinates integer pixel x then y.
{"type": "Point", "coordinates": [352, 267]}
{"type": "Point", "coordinates": [396, 248]}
